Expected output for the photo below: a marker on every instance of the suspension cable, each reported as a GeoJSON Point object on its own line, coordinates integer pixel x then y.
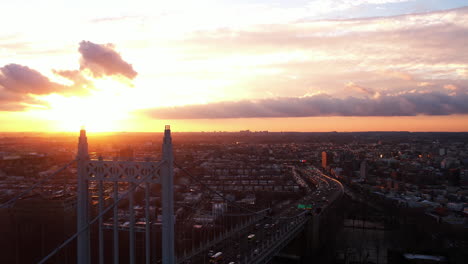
{"type": "Point", "coordinates": [132, 188]}
{"type": "Point", "coordinates": [14, 199]}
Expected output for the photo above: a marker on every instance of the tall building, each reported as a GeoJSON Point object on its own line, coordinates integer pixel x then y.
{"type": "Point", "coordinates": [363, 169]}
{"type": "Point", "coordinates": [441, 152]}
{"type": "Point", "coordinates": [327, 158]}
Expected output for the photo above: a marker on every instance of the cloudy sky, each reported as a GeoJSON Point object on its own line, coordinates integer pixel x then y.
{"type": "Point", "coordinates": [228, 65]}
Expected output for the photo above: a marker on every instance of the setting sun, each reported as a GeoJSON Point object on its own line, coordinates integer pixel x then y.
{"type": "Point", "coordinates": [102, 110]}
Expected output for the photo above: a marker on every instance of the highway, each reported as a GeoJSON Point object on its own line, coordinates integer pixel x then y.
{"type": "Point", "coordinates": [238, 248]}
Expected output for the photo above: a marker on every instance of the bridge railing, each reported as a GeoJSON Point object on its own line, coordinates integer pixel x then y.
{"type": "Point", "coordinates": [277, 240]}
{"type": "Point", "coordinates": [205, 246]}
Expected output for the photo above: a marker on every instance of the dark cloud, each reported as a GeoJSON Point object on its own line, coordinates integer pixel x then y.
{"type": "Point", "coordinates": [17, 78]}
{"type": "Point", "coordinates": [102, 59]}
{"type": "Point", "coordinates": [18, 83]}
{"type": "Point", "coordinates": [408, 104]}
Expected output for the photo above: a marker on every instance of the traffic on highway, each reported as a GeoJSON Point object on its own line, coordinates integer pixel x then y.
{"type": "Point", "coordinates": [251, 241]}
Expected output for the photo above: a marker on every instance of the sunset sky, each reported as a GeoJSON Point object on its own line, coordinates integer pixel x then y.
{"type": "Point", "coordinates": [229, 65]}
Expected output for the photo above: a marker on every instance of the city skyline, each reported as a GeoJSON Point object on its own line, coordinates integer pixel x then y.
{"type": "Point", "coordinates": [335, 65]}
{"type": "Point", "coordinates": [233, 190]}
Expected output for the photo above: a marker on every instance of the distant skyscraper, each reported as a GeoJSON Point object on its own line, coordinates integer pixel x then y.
{"type": "Point", "coordinates": [326, 159]}
{"type": "Point", "coordinates": [363, 169]}
{"type": "Point", "coordinates": [441, 152]}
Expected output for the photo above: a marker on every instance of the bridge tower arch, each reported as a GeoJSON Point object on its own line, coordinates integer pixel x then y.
{"type": "Point", "coordinates": [134, 173]}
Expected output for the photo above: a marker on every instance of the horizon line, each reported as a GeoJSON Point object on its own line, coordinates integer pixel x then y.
{"type": "Point", "coordinates": [239, 131]}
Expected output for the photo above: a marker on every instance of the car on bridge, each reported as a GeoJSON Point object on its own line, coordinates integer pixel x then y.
{"type": "Point", "coordinates": [217, 258]}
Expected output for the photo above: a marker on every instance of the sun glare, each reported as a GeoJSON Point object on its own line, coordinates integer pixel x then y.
{"type": "Point", "coordinates": [100, 111]}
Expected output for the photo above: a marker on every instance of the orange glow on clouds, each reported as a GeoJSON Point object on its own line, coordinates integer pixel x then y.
{"type": "Point", "coordinates": [280, 50]}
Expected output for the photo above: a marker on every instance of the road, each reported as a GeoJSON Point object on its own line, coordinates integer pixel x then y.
{"type": "Point", "coordinates": [323, 190]}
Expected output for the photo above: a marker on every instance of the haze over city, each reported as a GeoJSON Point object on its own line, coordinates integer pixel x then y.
{"type": "Point", "coordinates": [328, 65]}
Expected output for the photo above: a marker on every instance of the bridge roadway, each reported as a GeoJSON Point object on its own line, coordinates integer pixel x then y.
{"type": "Point", "coordinates": [275, 232]}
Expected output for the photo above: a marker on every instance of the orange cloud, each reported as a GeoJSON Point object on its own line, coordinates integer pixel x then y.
{"type": "Point", "coordinates": [450, 87]}
{"type": "Point", "coordinates": [398, 74]}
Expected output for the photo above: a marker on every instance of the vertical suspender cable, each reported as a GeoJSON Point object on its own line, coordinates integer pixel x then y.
{"type": "Point", "coordinates": [116, 224]}
{"type": "Point", "coordinates": [147, 225]}
{"type": "Point", "coordinates": [132, 223]}
{"type": "Point", "coordinates": [101, 231]}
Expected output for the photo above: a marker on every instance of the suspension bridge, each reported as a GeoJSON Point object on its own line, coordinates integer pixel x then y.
{"type": "Point", "coordinates": [120, 180]}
